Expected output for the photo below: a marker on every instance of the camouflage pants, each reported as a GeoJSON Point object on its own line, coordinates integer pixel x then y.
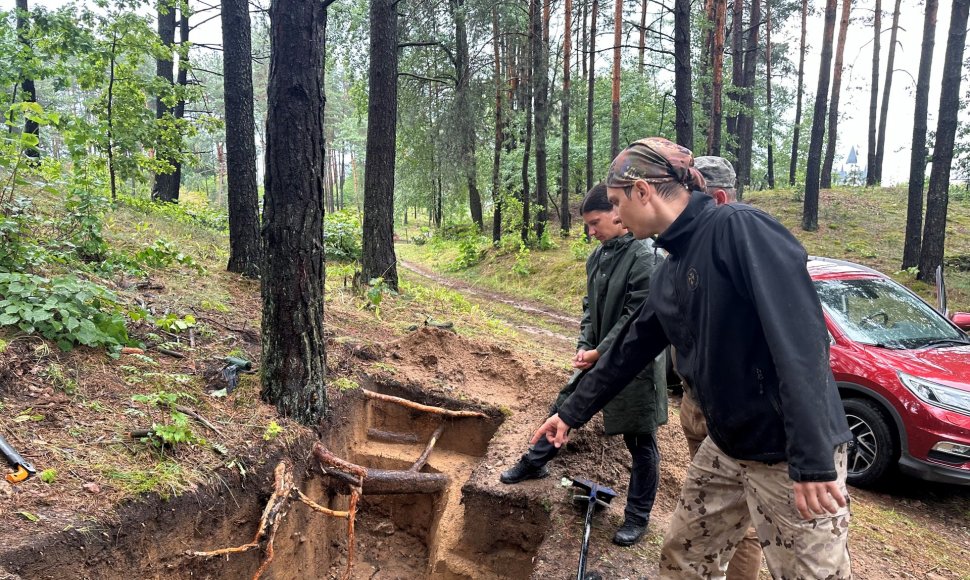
{"type": "Point", "coordinates": [723, 497]}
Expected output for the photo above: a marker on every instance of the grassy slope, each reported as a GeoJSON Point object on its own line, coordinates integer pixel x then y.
{"type": "Point", "coordinates": [860, 225]}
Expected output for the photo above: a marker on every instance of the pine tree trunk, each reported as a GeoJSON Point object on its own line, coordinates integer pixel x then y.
{"type": "Point", "coordinates": [294, 357]}
{"type": "Point", "coordinates": [499, 134]}
{"type": "Point", "coordinates": [615, 86]}
{"type": "Point", "coordinates": [564, 216]}
{"type": "Point", "coordinates": [717, 78]}
{"type": "Point", "coordinates": [769, 112]}
{"type": "Point", "coordinates": [737, 75]}
{"type": "Point", "coordinates": [27, 88]}
{"type": "Point", "coordinates": [746, 115]}
{"type": "Point", "coordinates": [810, 211]}
{"type": "Point", "coordinates": [641, 62]}
{"type": "Point", "coordinates": [528, 110]}
{"type": "Point", "coordinates": [886, 90]}
{"type": "Point", "coordinates": [243, 197]}
{"type": "Point", "coordinates": [793, 163]}
{"type": "Point", "coordinates": [683, 95]}
{"type": "Point", "coordinates": [378, 259]}
{"type": "Point", "coordinates": [590, 93]}
{"type": "Point", "coordinates": [919, 154]}
{"type": "Point", "coordinates": [826, 178]}
{"type": "Point", "coordinates": [937, 195]}
{"type": "Point", "coordinates": [874, 98]}
{"type": "Point", "coordinates": [165, 185]}
{"type": "Point", "coordinates": [540, 61]}
{"type": "Point", "coordinates": [466, 118]}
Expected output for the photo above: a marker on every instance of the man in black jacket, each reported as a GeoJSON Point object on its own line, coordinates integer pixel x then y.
{"type": "Point", "coordinates": [735, 299]}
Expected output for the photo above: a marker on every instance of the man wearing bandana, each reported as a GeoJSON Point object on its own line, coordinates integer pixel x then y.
{"type": "Point", "coordinates": [735, 300]}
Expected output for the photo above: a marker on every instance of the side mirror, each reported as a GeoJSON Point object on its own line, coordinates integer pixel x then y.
{"type": "Point", "coordinates": [962, 319]}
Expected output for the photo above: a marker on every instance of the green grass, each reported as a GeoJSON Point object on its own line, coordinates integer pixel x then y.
{"type": "Point", "coordinates": [861, 225]}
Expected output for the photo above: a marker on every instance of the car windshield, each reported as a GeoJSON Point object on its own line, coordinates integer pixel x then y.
{"type": "Point", "coordinates": [880, 312]}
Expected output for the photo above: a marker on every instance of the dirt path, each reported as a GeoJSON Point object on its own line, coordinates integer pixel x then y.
{"type": "Point", "coordinates": [563, 326]}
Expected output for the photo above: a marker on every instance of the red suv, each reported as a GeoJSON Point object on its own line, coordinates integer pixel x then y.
{"type": "Point", "coordinates": [903, 371]}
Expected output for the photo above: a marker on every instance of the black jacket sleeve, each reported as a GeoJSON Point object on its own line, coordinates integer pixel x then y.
{"type": "Point", "coordinates": [637, 343]}
{"type": "Point", "coordinates": [768, 264]}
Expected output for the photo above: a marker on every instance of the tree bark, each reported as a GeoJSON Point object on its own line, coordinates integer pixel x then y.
{"type": "Point", "coordinates": [643, 36]}
{"type": "Point", "coordinates": [746, 114]}
{"type": "Point", "coordinates": [717, 78]}
{"type": "Point", "coordinates": [826, 178]}
{"type": "Point", "coordinates": [793, 164]}
{"type": "Point", "coordinates": [590, 93]}
{"type": "Point", "coordinates": [27, 88]}
{"type": "Point", "coordinates": [564, 216]}
{"type": "Point", "coordinates": [886, 90]}
{"type": "Point", "coordinates": [499, 134]}
{"type": "Point", "coordinates": [683, 95]}
{"type": "Point", "coordinates": [810, 211]}
{"type": "Point", "coordinates": [615, 85]}
{"type": "Point", "coordinates": [165, 185]}
{"type": "Point", "coordinates": [919, 154]}
{"type": "Point", "coordinates": [378, 259]}
{"type": "Point", "coordinates": [294, 359]}
{"type": "Point", "coordinates": [540, 60]}
{"type": "Point", "coordinates": [937, 195]}
{"type": "Point", "coordinates": [737, 75]}
{"type": "Point", "coordinates": [243, 195]}
{"type": "Point", "coordinates": [769, 112]}
{"type": "Point", "coordinates": [466, 117]}
{"type": "Point", "coordinates": [528, 110]}
{"type": "Point", "coordinates": [874, 98]}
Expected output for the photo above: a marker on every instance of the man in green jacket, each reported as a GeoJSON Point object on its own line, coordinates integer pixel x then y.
{"type": "Point", "coordinates": [617, 282]}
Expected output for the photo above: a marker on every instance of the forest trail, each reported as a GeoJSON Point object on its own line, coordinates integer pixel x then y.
{"type": "Point", "coordinates": [561, 327]}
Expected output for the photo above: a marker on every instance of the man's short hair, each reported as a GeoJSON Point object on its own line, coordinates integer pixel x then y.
{"type": "Point", "coordinates": [717, 171]}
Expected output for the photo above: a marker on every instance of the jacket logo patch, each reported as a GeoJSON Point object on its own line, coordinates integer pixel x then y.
{"type": "Point", "coordinates": [692, 279]}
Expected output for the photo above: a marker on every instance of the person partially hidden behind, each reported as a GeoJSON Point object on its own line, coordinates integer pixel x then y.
{"type": "Point", "coordinates": [617, 282]}
{"type": "Point", "coordinates": [735, 300]}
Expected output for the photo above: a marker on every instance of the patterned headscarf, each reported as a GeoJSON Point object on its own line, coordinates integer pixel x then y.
{"type": "Point", "coordinates": [655, 160]}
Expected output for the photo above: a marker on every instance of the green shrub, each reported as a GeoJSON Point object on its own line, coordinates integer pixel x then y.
{"type": "Point", "coordinates": [186, 213]}
{"type": "Point", "coordinates": [471, 251]}
{"type": "Point", "coordinates": [579, 248]}
{"type": "Point", "coordinates": [458, 231]}
{"type": "Point", "coordinates": [342, 235]}
{"type": "Point", "coordinates": [18, 250]}
{"type": "Point", "coordinates": [521, 265]}
{"type": "Point", "coordinates": [85, 209]}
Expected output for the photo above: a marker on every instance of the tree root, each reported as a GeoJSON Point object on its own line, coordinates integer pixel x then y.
{"type": "Point", "coordinates": [420, 407]}
{"type": "Point", "coordinates": [284, 491]}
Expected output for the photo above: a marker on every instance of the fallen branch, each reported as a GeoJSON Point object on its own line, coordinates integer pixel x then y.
{"type": "Point", "coordinates": [392, 436]}
{"type": "Point", "coordinates": [195, 415]}
{"type": "Point", "coordinates": [419, 407]}
{"type": "Point", "coordinates": [427, 450]}
{"type": "Point", "coordinates": [383, 481]}
{"type": "Point", "coordinates": [171, 353]}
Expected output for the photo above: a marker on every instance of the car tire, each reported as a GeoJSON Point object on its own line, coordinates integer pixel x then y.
{"type": "Point", "coordinates": [873, 449]}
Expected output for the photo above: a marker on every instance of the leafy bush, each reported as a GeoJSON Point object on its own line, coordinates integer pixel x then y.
{"type": "Point", "coordinates": [342, 235]}
{"type": "Point", "coordinates": [521, 265]}
{"type": "Point", "coordinates": [18, 251]}
{"type": "Point", "coordinates": [457, 232]}
{"type": "Point", "coordinates": [65, 309]}
{"type": "Point", "coordinates": [579, 248]}
{"type": "Point", "coordinates": [471, 251]}
{"type": "Point", "coordinates": [85, 209]}
{"type": "Point", "coordinates": [162, 254]}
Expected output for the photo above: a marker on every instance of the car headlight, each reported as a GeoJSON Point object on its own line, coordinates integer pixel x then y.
{"type": "Point", "coordinates": [936, 394]}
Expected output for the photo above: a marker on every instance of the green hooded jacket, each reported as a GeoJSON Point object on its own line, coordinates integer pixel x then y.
{"type": "Point", "coordinates": [617, 282]}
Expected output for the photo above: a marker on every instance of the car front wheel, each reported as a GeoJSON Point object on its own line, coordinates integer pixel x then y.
{"type": "Point", "coordinates": [872, 451]}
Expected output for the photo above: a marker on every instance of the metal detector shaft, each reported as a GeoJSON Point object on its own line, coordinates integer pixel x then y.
{"type": "Point", "coordinates": [581, 574]}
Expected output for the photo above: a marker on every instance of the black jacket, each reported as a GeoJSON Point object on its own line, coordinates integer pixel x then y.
{"type": "Point", "coordinates": [736, 301]}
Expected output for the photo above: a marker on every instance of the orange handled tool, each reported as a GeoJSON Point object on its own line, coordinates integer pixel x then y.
{"type": "Point", "coordinates": [22, 469]}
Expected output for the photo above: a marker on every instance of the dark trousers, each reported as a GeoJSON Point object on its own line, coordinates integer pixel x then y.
{"type": "Point", "coordinates": [644, 474]}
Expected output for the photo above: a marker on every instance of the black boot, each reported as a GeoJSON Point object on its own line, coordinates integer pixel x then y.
{"type": "Point", "coordinates": [522, 471]}
{"type": "Point", "coordinates": [629, 533]}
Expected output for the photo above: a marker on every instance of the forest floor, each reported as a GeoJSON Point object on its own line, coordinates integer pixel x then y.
{"type": "Point", "coordinates": [113, 506]}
